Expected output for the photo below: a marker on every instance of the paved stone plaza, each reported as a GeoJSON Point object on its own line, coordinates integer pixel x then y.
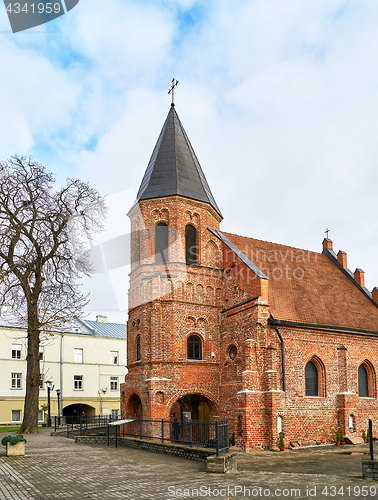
{"type": "Point", "coordinates": [57, 468]}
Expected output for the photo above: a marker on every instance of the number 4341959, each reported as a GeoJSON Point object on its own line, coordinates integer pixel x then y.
{"type": "Point", "coordinates": [39, 8]}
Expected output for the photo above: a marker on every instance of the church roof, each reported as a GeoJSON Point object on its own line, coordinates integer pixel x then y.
{"type": "Point", "coordinates": [307, 287]}
{"type": "Point", "coordinates": [174, 168]}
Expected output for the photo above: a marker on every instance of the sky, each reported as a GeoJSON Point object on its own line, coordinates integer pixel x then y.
{"type": "Point", "coordinates": [279, 99]}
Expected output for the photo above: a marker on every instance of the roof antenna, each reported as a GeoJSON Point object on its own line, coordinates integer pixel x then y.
{"type": "Point", "coordinates": [172, 89]}
{"type": "Point", "coordinates": [327, 231]}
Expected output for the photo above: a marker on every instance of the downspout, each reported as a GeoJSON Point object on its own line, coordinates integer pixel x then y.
{"type": "Point", "coordinates": [282, 357]}
{"type": "Point", "coordinates": [99, 387]}
{"type": "Point", "coordinates": [61, 374]}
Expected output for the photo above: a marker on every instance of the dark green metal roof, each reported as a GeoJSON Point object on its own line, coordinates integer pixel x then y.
{"type": "Point", "coordinates": [174, 168]}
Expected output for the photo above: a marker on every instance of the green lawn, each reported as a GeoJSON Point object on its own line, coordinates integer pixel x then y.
{"type": "Point", "coordinates": [13, 429]}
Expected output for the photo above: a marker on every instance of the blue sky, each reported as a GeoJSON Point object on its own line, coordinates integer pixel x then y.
{"type": "Point", "coordinates": [279, 99]}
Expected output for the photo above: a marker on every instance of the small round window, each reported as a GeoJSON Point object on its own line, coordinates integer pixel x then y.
{"type": "Point", "coordinates": [232, 352]}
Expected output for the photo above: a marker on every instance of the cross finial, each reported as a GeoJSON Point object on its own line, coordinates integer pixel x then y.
{"type": "Point", "coordinates": [327, 231]}
{"type": "Point", "coordinates": [172, 89]}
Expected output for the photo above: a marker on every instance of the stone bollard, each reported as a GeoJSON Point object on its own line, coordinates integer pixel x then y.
{"type": "Point", "coordinates": [224, 463]}
{"type": "Point", "coordinates": [369, 467]}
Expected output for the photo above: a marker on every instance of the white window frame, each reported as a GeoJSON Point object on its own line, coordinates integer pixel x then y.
{"type": "Point", "coordinates": [115, 416]}
{"type": "Point", "coordinates": [17, 348]}
{"type": "Point", "coordinates": [41, 355]}
{"type": "Point", "coordinates": [12, 419]}
{"type": "Point", "coordinates": [114, 357]}
{"type": "Point", "coordinates": [41, 381]}
{"type": "Point", "coordinates": [16, 381]}
{"type": "Point", "coordinates": [78, 381]}
{"type": "Point", "coordinates": [41, 412]}
{"type": "Point", "coordinates": [114, 381]}
{"type": "Point", "coordinates": [78, 355]}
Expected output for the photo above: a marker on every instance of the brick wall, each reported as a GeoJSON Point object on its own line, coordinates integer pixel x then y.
{"type": "Point", "coordinates": [240, 375]}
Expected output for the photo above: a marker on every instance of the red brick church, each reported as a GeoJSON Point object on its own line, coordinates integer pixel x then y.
{"type": "Point", "coordinates": [222, 326]}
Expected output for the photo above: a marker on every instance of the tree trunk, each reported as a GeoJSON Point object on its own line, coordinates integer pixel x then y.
{"type": "Point", "coordinates": [30, 417]}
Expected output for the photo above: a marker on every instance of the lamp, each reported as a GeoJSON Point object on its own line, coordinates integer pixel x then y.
{"type": "Point", "coordinates": [58, 396]}
{"type": "Point", "coordinates": [50, 387]}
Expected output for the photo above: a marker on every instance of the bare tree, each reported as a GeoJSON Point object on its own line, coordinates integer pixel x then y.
{"type": "Point", "coordinates": [42, 255]}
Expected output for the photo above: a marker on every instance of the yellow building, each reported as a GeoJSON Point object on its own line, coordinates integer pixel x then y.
{"type": "Point", "coordinates": [84, 364]}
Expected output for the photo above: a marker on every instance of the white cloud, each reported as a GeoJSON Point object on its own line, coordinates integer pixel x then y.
{"type": "Point", "coordinates": [279, 99]}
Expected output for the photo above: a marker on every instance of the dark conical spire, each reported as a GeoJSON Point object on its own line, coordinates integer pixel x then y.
{"type": "Point", "coordinates": [174, 168]}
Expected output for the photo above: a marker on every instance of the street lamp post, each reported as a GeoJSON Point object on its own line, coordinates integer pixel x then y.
{"type": "Point", "coordinates": [50, 387]}
{"type": "Point", "coordinates": [58, 396]}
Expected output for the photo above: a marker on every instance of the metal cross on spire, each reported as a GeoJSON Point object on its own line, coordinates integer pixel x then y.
{"type": "Point", "coordinates": [172, 89]}
{"type": "Point", "coordinates": [327, 231]}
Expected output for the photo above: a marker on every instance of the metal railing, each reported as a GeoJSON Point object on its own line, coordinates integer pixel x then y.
{"type": "Point", "coordinates": [191, 433]}
{"type": "Point", "coordinates": [81, 424]}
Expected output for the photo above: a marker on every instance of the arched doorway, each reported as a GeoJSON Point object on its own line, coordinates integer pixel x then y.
{"type": "Point", "coordinates": [193, 407]}
{"type": "Point", "coordinates": [77, 409]}
{"type": "Point", "coordinates": [189, 414]}
{"type": "Point", "coordinates": [134, 407]}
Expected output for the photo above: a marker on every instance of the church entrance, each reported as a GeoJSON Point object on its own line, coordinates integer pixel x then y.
{"type": "Point", "coordinates": [193, 410]}
{"type": "Point", "coordinates": [194, 407]}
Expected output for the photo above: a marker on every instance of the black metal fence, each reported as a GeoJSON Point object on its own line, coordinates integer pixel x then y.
{"type": "Point", "coordinates": [191, 433]}
{"type": "Point", "coordinates": [80, 423]}
{"type": "Point", "coordinates": [202, 434]}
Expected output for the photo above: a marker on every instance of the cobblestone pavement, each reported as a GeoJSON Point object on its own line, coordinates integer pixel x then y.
{"type": "Point", "coordinates": [57, 468]}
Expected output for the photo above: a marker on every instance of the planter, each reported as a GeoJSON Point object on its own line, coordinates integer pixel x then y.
{"type": "Point", "coordinates": [337, 443]}
{"type": "Point", "coordinates": [15, 450]}
{"type": "Point", "coordinates": [282, 448]}
{"type": "Point", "coordinates": [342, 442]}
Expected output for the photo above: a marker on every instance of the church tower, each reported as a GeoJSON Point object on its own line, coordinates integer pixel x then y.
{"type": "Point", "coordinates": [175, 287]}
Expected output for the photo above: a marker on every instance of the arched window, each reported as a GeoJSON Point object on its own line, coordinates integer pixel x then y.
{"type": "Point", "coordinates": [363, 382]}
{"type": "Point", "coordinates": [279, 425]}
{"type": "Point", "coordinates": [194, 347]}
{"type": "Point", "coordinates": [191, 250]}
{"type": "Point", "coordinates": [311, 379]}
{"type": "Point", "coordinates": [138, 348]}
{"type": "Point", "coordinates": [161, 242]}
{"type": "Point", "coordinates": [352, 423]}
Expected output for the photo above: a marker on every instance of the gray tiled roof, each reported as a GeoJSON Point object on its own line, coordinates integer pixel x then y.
{"type": "Point", "coordinates": [174, 168]}
{"type": "Point", "coordinates": [77, 326]}
{"type": "Point", "coordinates": [115, 330]}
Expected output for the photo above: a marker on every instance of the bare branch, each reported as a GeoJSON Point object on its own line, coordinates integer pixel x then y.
{"type": "Point", "coordinates": [44, 243]}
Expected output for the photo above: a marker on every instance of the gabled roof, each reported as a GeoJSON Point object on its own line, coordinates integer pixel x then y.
{"type": "Point", "coordinates": [240, 254]}
{"type": "Point", "coordinates": [307, 287]}
{"type": "Point", "coordinates": [115, 330]}
{"type": "Point", "coordinates": [77, 326]}
{"type": "Point", "coordinates": [174, 168]}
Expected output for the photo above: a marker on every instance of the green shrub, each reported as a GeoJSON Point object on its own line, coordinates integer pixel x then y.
{"type": "Point", "coordinates": [232, 439]}
{"type": "Point", "coordinates": [281, 442]}
{"type": "Point", "coordinates": [13, 439]}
